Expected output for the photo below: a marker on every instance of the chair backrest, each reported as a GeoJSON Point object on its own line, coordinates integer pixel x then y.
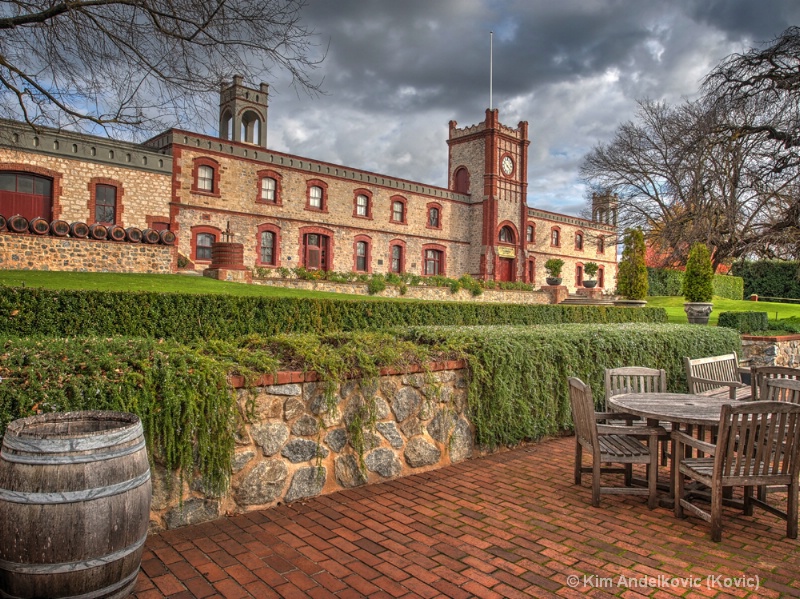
{"type": "Point", "coordinates": [759, 374]}
{"type": "Point", "coordinates": [634, 379]}
{"type": "Point", "coordinates": [759, 439]}
{"type": "Point", "coordinates": [715, 368]}
{"type": "Point", "coordinates": [580, 398]}
{"type": "Point", "coordinates": [780, 389]}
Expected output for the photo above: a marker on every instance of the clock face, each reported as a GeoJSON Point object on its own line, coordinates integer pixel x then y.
{"type": "Point", "coordinates": [507, 165]}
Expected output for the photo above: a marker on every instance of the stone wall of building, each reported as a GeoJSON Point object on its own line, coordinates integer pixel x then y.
{"type": "Point", "coordinates": [781, 350]}
{"type": "Point", "coordinates": [295, 448]}
{"type": "Point", "coordinates": [440, 294]}
{"type": "Point", "coordinates": [37, 252]}
{"type": "Point", "coordinates": [74, 162]}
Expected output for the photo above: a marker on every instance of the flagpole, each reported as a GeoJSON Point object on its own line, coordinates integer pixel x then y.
{"type": "Point", "coordinates": [491, 61]}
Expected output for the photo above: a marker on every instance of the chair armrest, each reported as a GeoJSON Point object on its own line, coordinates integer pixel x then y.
{"type": "Point", "coordinates": [744, 370]}
{"type": "Point", "coordinates": [614, 429]}
{"type": "Point", "coordinates": [607, 415]}
{"type": "Point", "coordinates": [685, 439]}
{"type": "Point", "coordinates": [731, 384]}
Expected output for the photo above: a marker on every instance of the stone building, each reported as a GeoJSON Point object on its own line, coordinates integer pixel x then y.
{"type": "Point", "coordinates": [291, 211]}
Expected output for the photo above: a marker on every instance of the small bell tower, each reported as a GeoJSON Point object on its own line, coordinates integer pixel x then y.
{"type": "Point", "coordinates": [243, 112]}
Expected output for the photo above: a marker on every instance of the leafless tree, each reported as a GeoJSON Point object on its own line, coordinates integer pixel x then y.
{"type": "Point", "coordinates": [682, 178]}
{"type": "Point", "coordinates": [765, 83]}
{"type": "Point", "coordinates": [138, 66]}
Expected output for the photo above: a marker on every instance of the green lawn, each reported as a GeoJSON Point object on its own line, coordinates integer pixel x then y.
{"type": "Point", "coordinates": [674, 308]}
{"type": "Point", "coordinates": [143, 282]}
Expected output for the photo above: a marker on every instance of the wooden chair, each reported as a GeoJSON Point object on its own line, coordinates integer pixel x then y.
{"type": "Point", "coordinates": [758, 444]}
{"type": "Point", "coordinates": [760, 374]}
{"type": "Point", "coordinates": [718, 376]}
{"type": "Point", "coordinates": [611, 444]}
{"type": "Point", "coordinates": [637, 379]}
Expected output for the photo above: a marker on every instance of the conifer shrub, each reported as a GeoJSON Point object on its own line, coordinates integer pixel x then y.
{"type": "Point", "coordinates": [698, 279]}
{"type": "Point", "coordinates": [632, 272]}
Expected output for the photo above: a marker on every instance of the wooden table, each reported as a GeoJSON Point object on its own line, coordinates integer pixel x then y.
{"type": "Point", "coordinates": [680, 409]}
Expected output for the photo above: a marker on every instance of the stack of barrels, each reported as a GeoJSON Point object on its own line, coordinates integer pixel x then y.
{"type": "Point", "coordinates": [79, 230]}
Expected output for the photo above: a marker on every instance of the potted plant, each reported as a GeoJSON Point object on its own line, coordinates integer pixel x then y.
{"type": "Point", "coordinates": [590, 270]}
{"type": "Point", "coordinates": [553, 268]}
{"type": "Point", "coordinates": [698, 284]}
{"type": "Point", "coordinates": [632, 271]}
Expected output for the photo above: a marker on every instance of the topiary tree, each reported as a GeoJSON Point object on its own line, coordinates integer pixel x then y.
{"type": "Point", "coordinates": [590, 270]}
{"type": "Point", "coordinates": [698, 280]}
{"type": "Point", "coordinates": [632, 272]}
{"type": "Point", "coordinates": [553, 267]}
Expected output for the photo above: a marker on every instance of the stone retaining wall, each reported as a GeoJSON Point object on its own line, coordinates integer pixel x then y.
{"type": "Point", "coordinates": [781, 350]}
{"type": "Point", "coordinates": [294, 448]}
{"type": "Point", "coordinates": [41, 252]}
{"type": "Point", "coordinates": [441, 294]}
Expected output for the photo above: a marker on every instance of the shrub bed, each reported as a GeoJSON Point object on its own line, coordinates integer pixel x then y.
{"type": "Point", "coordinates": [517, 387]}
{"type": "Point", "coordinates": [744, 322]}
{"type": "Point", "coordinates": [184, 317]}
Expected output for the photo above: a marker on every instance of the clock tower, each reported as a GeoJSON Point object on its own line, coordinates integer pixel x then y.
{"type": "Point", "coordinates": [489, 161]}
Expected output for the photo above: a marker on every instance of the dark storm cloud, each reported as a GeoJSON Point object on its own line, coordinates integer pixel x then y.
{"type": "Point", "coordinates": [397, 71]}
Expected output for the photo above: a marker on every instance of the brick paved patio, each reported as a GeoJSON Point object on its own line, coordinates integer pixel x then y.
{"type": "Point", "coordinates": [508, 525]}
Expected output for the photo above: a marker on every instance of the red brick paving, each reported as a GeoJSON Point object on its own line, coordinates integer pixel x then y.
{"type": "Point", "coordinates": [508, 525]}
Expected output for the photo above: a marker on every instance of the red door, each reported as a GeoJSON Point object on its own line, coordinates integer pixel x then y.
{"type": "Point", "coordinates": [25, 194]}
{"type": "Point", "coordinates": [315, 251]}
{"type": "Point", "coordinates": [505, 271]}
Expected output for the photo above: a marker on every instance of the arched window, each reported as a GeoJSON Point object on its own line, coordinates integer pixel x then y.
{"type": "Point", "coordinates": [531, 271]}
{"type": "Point", "coordinates": [529, 234]}
{"type": "Point", "coordinates": [601, 277]}
{"type": "Point", "coordinates": [461, 180]}
{"type": "Point", "coordinates": [362, 204]}
{"type": "Point", "coordinates": [203, 243]}
{"type": "Point", "coordinates": [578, 275]}
{"type": "Point", "coordinates": [397, 255]}
{"type": "Point", "coordinates": [506, 235]}
{"type": "Point", "coordinates": [398, 210]}
{"type": "Point", "coordinates": [579, 241]}
{"type": "Point", "coordinates": [105, 207]}
{"type": "Point", "coordinates": [601, 245]}
{"type": "Point", "coordinates": [268, 248]}
{"type": "Point", "coordinates": [433, 260]}
{"type": "Point", "coordinates": [205, 178]}
{"type": "Point", "coordinates": [555, 237]}
{"type": "Point", "coordinates": [317, 196]}
{"type": "Point", "coordinates": [361, 254]}
{"type": "Point", "coordinates": [268, 188]}
{"type": "Point", "coordinates": [434, 216]}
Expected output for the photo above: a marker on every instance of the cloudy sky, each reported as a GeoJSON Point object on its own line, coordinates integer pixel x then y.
{"type": "Point", "coordinates": [396, 72]}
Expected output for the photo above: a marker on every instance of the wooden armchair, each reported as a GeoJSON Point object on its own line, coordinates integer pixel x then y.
{"type": "Point", "coordinates": [611, 444]}
{"type": "Point", "coordinates": [637, 379]}
{"type": "Point", "coordinates": [758, 444]}
{"type": "Point", "coordinates": [718, 376]}
{"type": "Point", "coordinates": [761, 374]}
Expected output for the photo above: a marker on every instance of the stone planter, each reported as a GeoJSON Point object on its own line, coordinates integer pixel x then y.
{"type": "Point", "coordinates": [629, 303]}
{"type": "Point", "coordinates": [590, 284]}
{"type": "Point", "coordinates": [698, 312]}
{"type": "Point", "coordinates": [553, 281]}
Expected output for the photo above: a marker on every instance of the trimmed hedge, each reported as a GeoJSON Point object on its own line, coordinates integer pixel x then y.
{"type": "Point", "coordinates": [518, 384]}
{"type": "Point", "coordinates": [184, 317]}
{"type": "Point", "coordinates": [744, 322]}
{"type": "Point", "coordinates": [769, 278]}
{"type": "Point", "coordinates": [667, 282]}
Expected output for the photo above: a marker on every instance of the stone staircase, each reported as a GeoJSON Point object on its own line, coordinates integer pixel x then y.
{"type": "Point", "coordinates": [574, 299]}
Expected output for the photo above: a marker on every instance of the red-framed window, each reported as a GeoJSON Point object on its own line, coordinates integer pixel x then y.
{"type": "Point", "coordinates": [530, 234]}
{"type": "Point", "coordinates": [601, 277]}
{"type": "Point", "coordinates": [398, 212]}
{"type": "Point", "coordinates": [105, 201]}
{"type": "Point", "coordinates": [579, 240]}
{"type": "Point", "coordinates": [316, 248]}
{"type": "Point", "coordinates": [397, 256]}
{"type": "Point", "coordinates": [434, 220]}
{"type": "Point", "coordinates": [601, 244]}
{"type": "Point", "coordinates": [268, 245]}
{"type": "Point", "coordinates": [531, 272]}
{"type": "Point", "coordinates": [317, 195]}
{"type": "Point", "coordinates": [579, 274]}
{"type": "Point", "coordinates": [202, 238]}
{"type": "Point", "coordinates": [506, 234]}
{"type": "Point", "coordinates": [434, 260]}
{"type": "Point", "coordinates": [362, 204]}
{"type": "Point", "coordinates": [461, 180]}
{"type": "Point", "coordinates": [27, 194]}
{"type": "Point", "coordinates": [205, 176]}
{"type": "Point", "coordinates": [269, 187]}
{"type": "Point", "coordinates": [555, 237]}
{"type": "Point", "coordinates": [362, 254]}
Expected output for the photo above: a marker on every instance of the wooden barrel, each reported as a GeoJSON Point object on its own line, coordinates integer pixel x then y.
{"type": "Point", "coordinates": [226, 254]}
{"type": "Point", "coordinates": [79, 230]}
{"type": "Point", "coordinates": [17, 224]}
{"type": "Point", "coordinates": [39, 226]}
{"type": "Point", "coordinates": [2, 222]}
{"type": "Point", "coordinates": [150, 236]}
{"type": "Point", "coordinates": [98, 231]}
{"type": "Point", "coordinates": [167, 237]}
{"type": "Point", "coordinates": [116, 233]}
{"type": "Point", "coordinates": [59, 228]}
{"type": "Point", "coordinates": [74, 505]}
{"type": "Point", "coordinates": [133, 234]}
